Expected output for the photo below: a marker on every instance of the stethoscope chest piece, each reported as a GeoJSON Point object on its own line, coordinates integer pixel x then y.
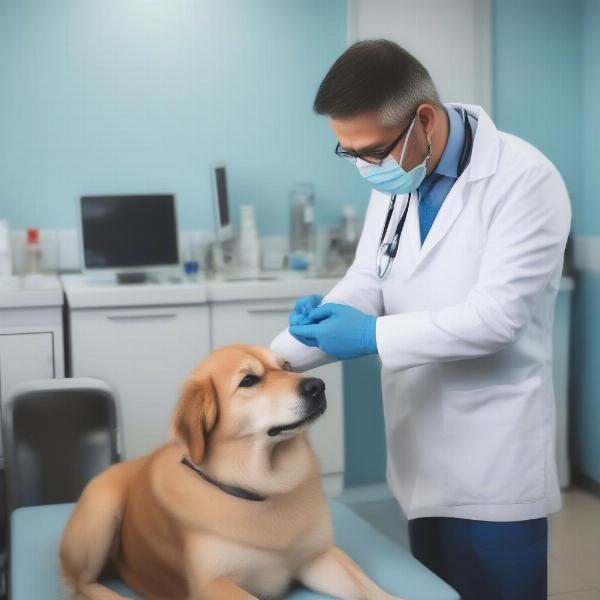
{"type": "Point", "coordinates": [387, 251]}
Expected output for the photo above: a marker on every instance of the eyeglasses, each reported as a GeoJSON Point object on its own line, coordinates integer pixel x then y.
{"type": "Point", "coordinates": [374, 157]}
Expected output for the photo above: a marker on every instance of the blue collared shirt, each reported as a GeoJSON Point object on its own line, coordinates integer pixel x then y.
{"type": "Point", "coordinates": [435, 187]}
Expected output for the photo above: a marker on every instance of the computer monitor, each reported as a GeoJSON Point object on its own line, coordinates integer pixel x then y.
{"type": "Point", "coordinates": [129, 235]}
{"type": "Point", "coordinates": [222, 212]}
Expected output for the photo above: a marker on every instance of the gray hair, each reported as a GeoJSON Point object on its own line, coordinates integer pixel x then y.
{"type": "Point", "coordinates": [376, 75]}
{"type": "Point", "coordinates": [399, 108]}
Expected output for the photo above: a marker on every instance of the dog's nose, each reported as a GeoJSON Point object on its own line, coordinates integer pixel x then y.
{"type": "Point", "coordinates": [311, 388]}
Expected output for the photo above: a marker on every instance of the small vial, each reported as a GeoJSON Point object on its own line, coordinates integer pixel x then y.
{"type": "Point", "coordinates": [33, 253]}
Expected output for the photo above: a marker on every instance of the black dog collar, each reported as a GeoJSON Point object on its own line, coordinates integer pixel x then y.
{"type": "Point", "coordinates": [228, 489]}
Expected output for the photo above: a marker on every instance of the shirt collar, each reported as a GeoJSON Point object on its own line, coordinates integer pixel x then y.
{"type": "Point", "coordinates": [448, 163]}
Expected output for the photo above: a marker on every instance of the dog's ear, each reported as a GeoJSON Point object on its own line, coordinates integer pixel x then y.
{"type": "Point", "coordinates": [195, 416]}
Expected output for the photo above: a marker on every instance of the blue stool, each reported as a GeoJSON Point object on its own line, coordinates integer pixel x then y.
{"type": "Point", "coordinates": [36, 532]}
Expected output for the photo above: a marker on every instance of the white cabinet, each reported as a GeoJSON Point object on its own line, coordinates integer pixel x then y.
{"type": "Point", "coordinates": [31, 334]}
{"type": "Point", "coordinates": [23, 357]}
{"type": "Point", "coordinates": [143, 341]}
{"type": "Point", "coordinates": [31, 342]}
{"type": "Point", "coordinates": [258, 322]}
{"type": "Point", "coordinates": [144, 354]}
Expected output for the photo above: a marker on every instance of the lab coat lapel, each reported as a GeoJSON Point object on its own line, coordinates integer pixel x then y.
{"type": "Point", "coordinates": [414, 233]}
{"type": "Point", "coordinates": [449, 211]}
{"type": "Point", "coordinates": [410, 239]}
{"type": "Point", "coordinates": [484, 162]}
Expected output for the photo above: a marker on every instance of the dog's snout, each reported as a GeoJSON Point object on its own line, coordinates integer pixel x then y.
{"type": "Point", "coordinates": [311, 388]}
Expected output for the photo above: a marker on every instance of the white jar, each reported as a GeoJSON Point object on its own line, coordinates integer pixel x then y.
{"type": "Point", "coordinates": [5, 251]}
{"type": "Point", "coordinates": [249, 242]}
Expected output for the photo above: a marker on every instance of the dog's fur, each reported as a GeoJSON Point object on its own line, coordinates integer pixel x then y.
{"type": "Point", "coordinates": [171, 535]}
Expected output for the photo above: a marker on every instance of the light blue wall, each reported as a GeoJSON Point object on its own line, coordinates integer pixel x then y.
{"type": "Point", "coordinates": [585, 422]}
{"type": "Point", "coordinates": [537, 79]}
{"type": "Point", "coordinates": [590, 210]}
{"type": "Point", "coordinates": [109, 96]}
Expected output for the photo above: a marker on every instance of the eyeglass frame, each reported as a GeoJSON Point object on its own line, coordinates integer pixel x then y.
{"type": "Point", "coordinates": [379, 156]}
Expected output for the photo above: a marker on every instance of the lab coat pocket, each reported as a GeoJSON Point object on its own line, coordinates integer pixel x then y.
{"type": "Point", "coordinates": [494, 442]}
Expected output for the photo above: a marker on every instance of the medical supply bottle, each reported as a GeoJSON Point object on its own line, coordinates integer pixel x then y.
{"type": "Point", "coordinates": [5, 251]}
{"type": "Point", "coordinates": [302, 227]}
{"type": "Point", "coordinates": [249, 242]}
{"type": "Point", "coordinates": [33, 253]}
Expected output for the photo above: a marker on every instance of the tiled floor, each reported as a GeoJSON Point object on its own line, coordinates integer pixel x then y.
{"type": "Point", "coordinates": [574, 553]}
{"type": "Point", "coordinates": [574, 561]}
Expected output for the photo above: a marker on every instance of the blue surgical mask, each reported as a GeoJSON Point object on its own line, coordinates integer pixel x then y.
{"type": "Point", "coordinates": [389, 177]}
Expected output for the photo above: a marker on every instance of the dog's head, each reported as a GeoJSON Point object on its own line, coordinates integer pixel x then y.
{"type": "Point", "coordinates": [241, 391]}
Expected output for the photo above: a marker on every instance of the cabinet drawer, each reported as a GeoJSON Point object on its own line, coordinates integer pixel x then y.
{"type": "Point", "coordinates": [144, 354]}
{"type": "Point", "coordinates": [255, 322]}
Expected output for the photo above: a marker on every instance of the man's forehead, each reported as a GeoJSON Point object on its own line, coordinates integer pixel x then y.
{"type": "Point", "coordinates": [363, 131]}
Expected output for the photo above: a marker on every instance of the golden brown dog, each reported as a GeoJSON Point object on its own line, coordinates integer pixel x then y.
{"type": "Point", "coordinates": [242, 517]}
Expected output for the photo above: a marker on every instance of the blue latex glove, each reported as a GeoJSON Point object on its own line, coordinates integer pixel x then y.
{"type": "Point", "coordinates": [338, 330]}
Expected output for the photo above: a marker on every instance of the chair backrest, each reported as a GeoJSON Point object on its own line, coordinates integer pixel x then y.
{"type": "Point", "coordinates": [57, 435]}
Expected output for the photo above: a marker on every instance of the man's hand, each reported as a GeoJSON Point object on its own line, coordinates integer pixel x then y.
{"type": "Point", "coordinates": [338, 330]}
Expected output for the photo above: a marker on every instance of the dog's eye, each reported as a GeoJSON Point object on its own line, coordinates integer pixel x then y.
{"type": "Point", "coordinates": [249, 380]}
{"type": "Point", "coordinates": [286, 366]}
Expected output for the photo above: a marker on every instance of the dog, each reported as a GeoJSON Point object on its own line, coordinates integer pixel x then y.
{"type": "Point", "coordinates": [231, 509]}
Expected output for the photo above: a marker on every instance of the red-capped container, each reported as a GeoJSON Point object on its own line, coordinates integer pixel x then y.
{"type": "Point", "coordinates": [33, 236]}
{"type": "Point", "coordinates": [33, 252]}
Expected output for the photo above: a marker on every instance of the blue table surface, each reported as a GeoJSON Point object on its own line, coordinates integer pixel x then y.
{"type": "Point", "coordinates": [36, 533]}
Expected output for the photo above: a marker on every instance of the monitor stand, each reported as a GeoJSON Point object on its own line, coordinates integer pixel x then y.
{"type": "Point", "coordinates": [134, 277]}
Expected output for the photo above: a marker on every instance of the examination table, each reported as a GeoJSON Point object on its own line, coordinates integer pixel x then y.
{"type": "Point", "coordinates": [36, 532]}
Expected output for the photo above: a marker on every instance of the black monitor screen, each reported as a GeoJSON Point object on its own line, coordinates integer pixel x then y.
{"type": "Point", "coordinates": [128, 231]}
{"type": "Point", "coordinates": [222, 196]}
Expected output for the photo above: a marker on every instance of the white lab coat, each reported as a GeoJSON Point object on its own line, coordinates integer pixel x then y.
{"type": "Point", "coordinates": [465, 336]}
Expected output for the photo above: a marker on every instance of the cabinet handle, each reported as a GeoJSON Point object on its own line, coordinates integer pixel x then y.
{"type": "Point", "coordinates": [270, 309]}
{"type": "Point", "coordinates": [139, 317]}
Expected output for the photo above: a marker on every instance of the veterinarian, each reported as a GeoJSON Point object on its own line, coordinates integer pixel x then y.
{"type": "Point", "coordinates": [453, 285]}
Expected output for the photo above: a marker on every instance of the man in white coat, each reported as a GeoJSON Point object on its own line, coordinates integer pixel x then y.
{"type": "Point", "coordinates": [453, 285]}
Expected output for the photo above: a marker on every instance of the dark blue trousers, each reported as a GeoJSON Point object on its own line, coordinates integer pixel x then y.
{"type": "Point", "coordinates": [485, 560]}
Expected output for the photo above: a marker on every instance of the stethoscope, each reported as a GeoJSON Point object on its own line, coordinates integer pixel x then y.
{"type": "Point", "coordinates": [387, 252]}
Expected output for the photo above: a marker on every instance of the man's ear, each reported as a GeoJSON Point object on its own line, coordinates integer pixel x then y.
{"type": "Point", "coordinates": [195, 416]}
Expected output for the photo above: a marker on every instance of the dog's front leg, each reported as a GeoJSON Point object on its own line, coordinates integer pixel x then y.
{"type": "Point", "coordinates": [333, 572]}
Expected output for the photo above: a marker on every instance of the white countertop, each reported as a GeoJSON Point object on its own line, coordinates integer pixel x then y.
{"type": "Point", "coordinates": [279, 284]}
{"type": "Point", "coordinates": [83, 292]}
{"type": "Point", "coordinates": [30, 292]}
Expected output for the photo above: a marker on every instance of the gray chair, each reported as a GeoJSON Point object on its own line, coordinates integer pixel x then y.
{"type": "Point", "coordinates": [57, 435]}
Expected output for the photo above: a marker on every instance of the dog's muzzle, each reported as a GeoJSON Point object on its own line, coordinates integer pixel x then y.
{"type": "Point", "coordinates": [312, 392]}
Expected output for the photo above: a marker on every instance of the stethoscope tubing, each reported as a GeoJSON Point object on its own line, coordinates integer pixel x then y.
{"type": "Point", "coordinates": [392, 248]}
